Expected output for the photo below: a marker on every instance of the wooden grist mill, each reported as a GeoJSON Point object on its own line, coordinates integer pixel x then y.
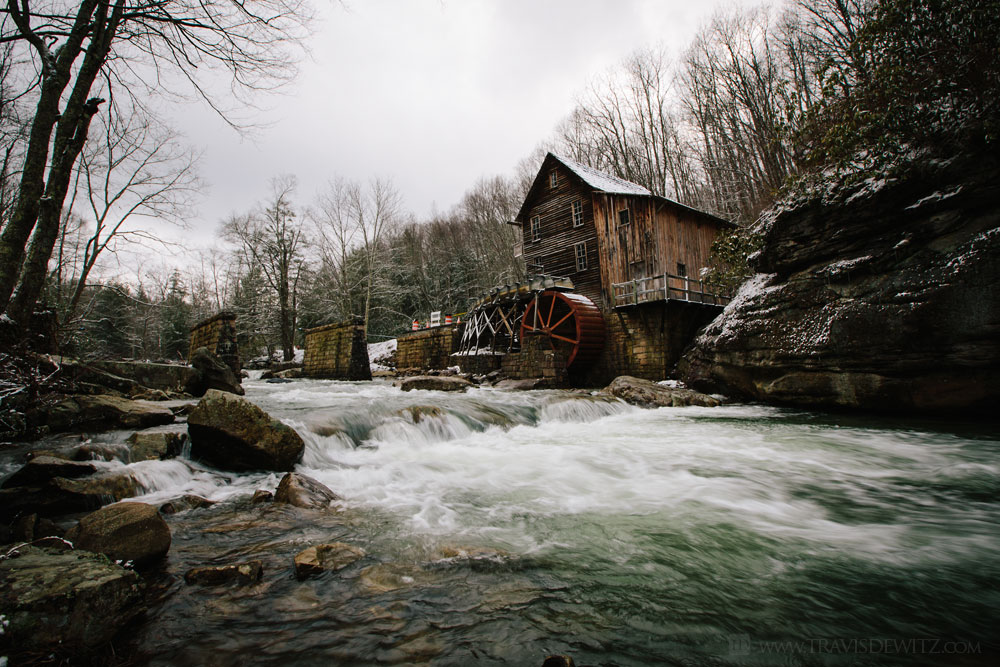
{"type": "Point", "coordinates": [542, 306]}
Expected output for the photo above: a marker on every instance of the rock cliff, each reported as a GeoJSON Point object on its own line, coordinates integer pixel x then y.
{"type": "Point", "coordinates": [879, 295]}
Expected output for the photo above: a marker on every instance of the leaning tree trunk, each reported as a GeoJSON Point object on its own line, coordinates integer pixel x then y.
{"type": "Point", "coordinates": [47, 228]}
{"type": "Point", "coordinates": [71, 134]}
{"type": "Point", "coordinates": [56, 70]}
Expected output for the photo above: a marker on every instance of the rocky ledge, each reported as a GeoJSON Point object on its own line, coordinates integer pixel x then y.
{"type": "Point", "coordinates": [877, 295]}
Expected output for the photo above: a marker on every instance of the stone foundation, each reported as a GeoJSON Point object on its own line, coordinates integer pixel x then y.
{"type": "Point", "coordinates": [647, 340]}
{"type": "Point", "coordinates": [428, 348]}
{"type": "Point", "coordinates": [537, 359]}
{"type": "Point", "coordinates": [337, 351]}
{"type": "Point", "coordinates": [218, 334]}
{"type": "Point", "coordinates": [477, 364]}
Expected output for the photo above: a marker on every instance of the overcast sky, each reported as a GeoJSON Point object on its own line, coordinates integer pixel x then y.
{"type": "Point", "coordinates": [430, 93]}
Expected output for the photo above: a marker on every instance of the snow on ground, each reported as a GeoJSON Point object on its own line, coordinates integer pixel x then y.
{"type": "Point", "coordinates": [378, 354]}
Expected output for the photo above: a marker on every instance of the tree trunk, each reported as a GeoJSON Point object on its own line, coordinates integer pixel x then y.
{"type": "Point", "coordinates": [71, 134]}
{"type": "Point", "coordinates": [55, 77]}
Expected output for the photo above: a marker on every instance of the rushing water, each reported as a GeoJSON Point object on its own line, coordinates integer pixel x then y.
{"type": "Point", "coordinates": [504, 526]}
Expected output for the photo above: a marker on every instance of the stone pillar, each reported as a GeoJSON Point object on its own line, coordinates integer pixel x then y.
{"type": "Point", "coordinates": [337, 351]}
{"type": "Point", "coordinates": [218, 334]}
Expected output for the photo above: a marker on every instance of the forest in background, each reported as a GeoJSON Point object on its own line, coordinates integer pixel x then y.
{"type": "Point", "coordinates": [761, 101]}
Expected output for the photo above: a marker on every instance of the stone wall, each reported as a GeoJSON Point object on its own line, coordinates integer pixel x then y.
{"type": "Point", "coordinates": [428, 348]}
{"type": "Point", "coordinates": [218, 334]}
{"type": "Point", "coordinates": [337, 351]}
{"type": "Point", "coordinates": [478, 364]}
{"type": "Point", "coordinates": [647, 340]}
{"type": "Point", "coordinates": [536, 359]}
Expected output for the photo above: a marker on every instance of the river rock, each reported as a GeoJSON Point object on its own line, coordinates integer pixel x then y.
{"type": "Point", "coordinates": [112, 485]}
{"type": "Point", "coordinates": [526, 384]}
{"type": "Point", "coordinates": [126, 531]}
{"type": "Point", "coordinates": [326, 557]}
{"type": "Point", "coordinates": [558, 661]}
{"type": "Point", "coordinates": [31, 527]}
{"type": "Point", "coordinates": [303, 491]}
{"type": "Point", "coordinates": [184, 503]}
{"type": "Point", "coordinates": [261, 496]}
{"type": "Point", "coordinates": [878, 295]}
{"type": "Point", "coordinates": [104, 412]}
{"type": "Point", "coordinates": [40, 469]}
{"type": "Point", "coordinates": [245, 573]}
{"type": "Point", "coordinates": [418, 413]}
{"type": "Point", "coordinates": [234, 434]}
{"type": "Point", "coordinates": [155, 445]}
{"type": "Point", "coordinates": [649, 394]}
{"type": "Point", "coordinates": [433, 383]}
{"type": "Point", "coordinates": [156, 377]}
{"type": "Point", "coordinates": [62, 495]}
{"type": "Point", "coordinates": [56, 598]}
{"type": "Point", "coordinates": [214, 374]}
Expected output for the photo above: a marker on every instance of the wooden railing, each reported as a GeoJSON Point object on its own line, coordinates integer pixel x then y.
{"type": "Point", "coordinates": [664, 287]}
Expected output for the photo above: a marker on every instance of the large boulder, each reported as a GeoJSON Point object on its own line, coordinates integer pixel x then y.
{"type": "Point", "coordinates": [874, 294]}
{"type": "Point", "coordinates": [213, 373]}
{"type": "Point", "coordinates": [57, 599]}
{"type": "Point", "coordinates": [434, 383]}
{"type": "Point", "coordinates": [303, 491]}
{"type": "Point", "coordinates": [126, 531]}
{"type": "Point", "coordinates": [232, 433]}
{"type": "Point", "coordinates": [104, 412]}
{"type": "Point", "coordinates": [649, 394]}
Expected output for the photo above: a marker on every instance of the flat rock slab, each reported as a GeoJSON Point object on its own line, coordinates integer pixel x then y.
{"type": "Point", "coordinates": [303, 491]}
{"type": "Point", "coordinates": [245, 573]}
{"type": "Point", "coordinates": [124, 531]}
{"type": "Point", "coordinates": [65, 598]}
{"type": "Point", "coordinates": [41, 469]}
{"type": "Point", "coordinates": [87, 412]}
{"type": "Point", "coordinates": [62, 495]}
{"type": "Point", "coordinates": [433, 383]}
{"type": "Point", "coordinates": [232, 433]}
{"type": "Point", "coordinates": [646, 393]}
{"type": "Point", "coordinates": [326, 558]}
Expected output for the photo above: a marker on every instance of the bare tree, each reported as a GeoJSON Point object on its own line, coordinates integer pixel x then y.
{"type": "Point", "coordinates": [353, 221]}
{"type": "Point", "coordinates": [136, 169]}
{"type": "Point", "coordinates": [272, 240]}
{"type": "Point", "coordinates": [138, 46]}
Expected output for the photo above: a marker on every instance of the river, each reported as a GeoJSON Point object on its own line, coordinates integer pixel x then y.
{"type": "Point", "coordinates": [501, 527]}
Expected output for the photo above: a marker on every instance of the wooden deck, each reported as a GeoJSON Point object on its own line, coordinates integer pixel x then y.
{"type": "Point", "coordinates": [664, 287]}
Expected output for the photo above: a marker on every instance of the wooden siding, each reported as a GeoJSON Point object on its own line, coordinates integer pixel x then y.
{"type": "Point", "coordinates": [553, 253]}
{"type": "Point", "coordinates": [657, 238]}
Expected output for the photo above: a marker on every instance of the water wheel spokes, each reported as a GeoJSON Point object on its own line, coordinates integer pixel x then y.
{"type": "Point", "coordinates": [571, 322]}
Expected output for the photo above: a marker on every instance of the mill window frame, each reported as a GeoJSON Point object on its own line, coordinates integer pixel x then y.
{"type": "Point", "coordinates": [580, 255]}
{"type": "Point", "coordinates": [576, 210]}
{"type": "Point", "coordinates": [536, 228]}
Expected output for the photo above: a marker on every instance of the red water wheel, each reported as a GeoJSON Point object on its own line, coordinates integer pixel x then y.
{"type": "Point", "coordinates": [572, 322]}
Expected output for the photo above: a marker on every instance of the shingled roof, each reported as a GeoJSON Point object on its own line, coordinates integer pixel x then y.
{"type": "Point", "coordinates": [601, 181]}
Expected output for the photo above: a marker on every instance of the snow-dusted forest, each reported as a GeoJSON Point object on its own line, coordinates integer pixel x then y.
{"type": "Point", "coordinates": [760, 99]}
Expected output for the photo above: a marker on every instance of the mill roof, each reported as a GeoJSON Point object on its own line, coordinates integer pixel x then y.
{"type": "Point", "coordinates": [600, 182]}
